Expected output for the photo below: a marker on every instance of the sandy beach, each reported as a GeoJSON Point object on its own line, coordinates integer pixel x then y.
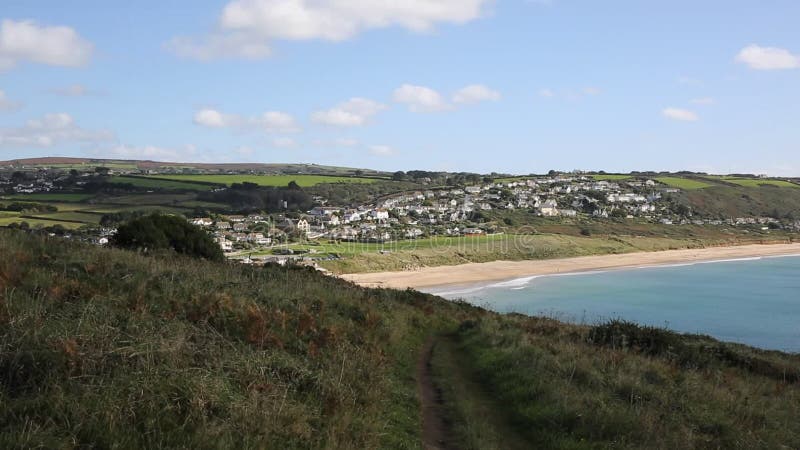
{"type": "Point", "coordinates": [503, 270]}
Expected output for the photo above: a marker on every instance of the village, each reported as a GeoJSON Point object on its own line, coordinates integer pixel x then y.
{"type": "Point", "coordinates": [462, 211]}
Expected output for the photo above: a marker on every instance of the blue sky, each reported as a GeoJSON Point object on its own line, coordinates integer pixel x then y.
{"type": "Point", "coordinates": [513, 86]}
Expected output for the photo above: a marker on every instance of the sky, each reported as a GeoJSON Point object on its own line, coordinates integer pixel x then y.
{"type": "Point", "coordinates": [511, 86]}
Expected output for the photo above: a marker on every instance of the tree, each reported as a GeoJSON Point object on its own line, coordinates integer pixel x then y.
{"type": "Point", "coordinates": [399, 176]}
{"type": "Point", "coordinates": [157, 232]}
{"type": "Point", "coordinates": [102, 170]}
{"type": "Point", "coordinates": [19, 177]}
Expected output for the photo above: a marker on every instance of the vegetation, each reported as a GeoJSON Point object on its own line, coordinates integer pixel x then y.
{"type": "Point", "coordinates": [683, 183]}
{"type": "Point", "coordinates": [52, 197]}
{"type": "Point", "coordinates": [758, 182]}
{"type": "Point", "coordinates": [551, 239]}
{"type": "Point", "coordinates": [161, 232]}
{"type": "Point", "coordinates": [725, 202]}
{"type": "Point", "coordinates": [265, 180]}
{"type": "Point", "coordinates": [624, 386]}
{"type": "Point", "coordinates": [160, 184]}
{"type": "Point", "coordinates": [108, 348]}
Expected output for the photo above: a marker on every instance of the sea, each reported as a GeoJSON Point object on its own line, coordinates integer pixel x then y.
{"type": "Point", "coordinates": [754, 301]}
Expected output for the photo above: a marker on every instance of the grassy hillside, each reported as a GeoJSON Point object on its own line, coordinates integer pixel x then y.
{"type": "Point", "coordinates": [105, 348]}
{"type": "Point", "coordinates": [109, 348]}
{"type": "Point", "coordinates": [744, 201]}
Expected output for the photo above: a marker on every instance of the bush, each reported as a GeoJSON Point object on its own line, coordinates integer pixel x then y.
{"type": "Point", "coordinates": [156, 231]}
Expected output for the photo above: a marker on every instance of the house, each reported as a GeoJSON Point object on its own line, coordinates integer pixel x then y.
{"type": "Point", "coordinates": [472, 189]}
{"type": "Point", "coordinates": [239, 226]}
{"type": "Point", "coordinates": [258, 238]}
{"type": "Point", "coordinates": [235, 219]}
{"type": "Point", "coordinates": [323, 211]}
{"type": "Point", "coordinates": [303, 225]}
{"type": "Point", "coordinates": [549, 208]}
{"type": "Point", "coordinates": [352, 215]}
{"type": "Point", "coordinates": [568, 212]}
{"type": "Point", "coordinates": [330, 221]}
{"type": "Point", "coordinates": [379, 214]}
{"type": "Point", "coordinates": [202, 222]}
{"type": "Point", "coordinates": [223, 225]}
{"type": "Point", "coordinates": [225, 244]}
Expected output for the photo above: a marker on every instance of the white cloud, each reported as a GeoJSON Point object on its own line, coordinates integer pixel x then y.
{"type": "Point", "coordinates": [703, 101]}
{"type": "Point", "coordinates": [276, 122]}
{"type": "Point", "coordinates": [212, 118]}
{"type": "Point", "coordinates": [50, 130]}
{"type": "Point", "coordinates": [546, 93]}
{"type": "Point", "coordinates": [420, 98]}
{"type": "Point", "coordinates": [7, 104]}
{"type": "Point", "coordinates": [381, 150]}
{"type": "Point", "coordinates": [680, 114]}
{"type": "Point", "coordinates": [475, 93]}
{"type": "Point", "coordinates": [27, 41]}
{"type": "Point", "coordinates": [591, 91]}
{"type": "Point", "coordinates": [270, 121]}
{"type": "Point", "coordinates": [767, 58]}
{"type": "Point", "coordinates": [354, 112]}
{"type": "Point", "coordinates": [247, 28]}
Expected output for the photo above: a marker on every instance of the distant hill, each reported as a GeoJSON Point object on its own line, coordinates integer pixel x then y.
{"type": "Point", "coordinates": [66, 163]}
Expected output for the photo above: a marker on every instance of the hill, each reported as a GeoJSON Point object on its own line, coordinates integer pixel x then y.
{"type": "Point", "coordinates": [277, 168]}
{"type": "Point", "coordinates": [108, 348]}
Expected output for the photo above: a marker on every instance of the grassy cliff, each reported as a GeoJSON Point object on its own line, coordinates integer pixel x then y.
{"type": "Point", "coordinates": [106, 348]}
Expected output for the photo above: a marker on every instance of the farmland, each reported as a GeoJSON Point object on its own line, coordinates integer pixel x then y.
{"type": "Point", "coordinates": [264, 180]}
{"type": "Point", "coordinates": [610, 177]}
{"type": "Point", "coordinates": [50, 197]}
{"type": "Point", "coordinates": [156, 183]}
{"type": "Point", "coordinates": [683, 183]}
{"type": "Point", "coordinates": [758, 182]}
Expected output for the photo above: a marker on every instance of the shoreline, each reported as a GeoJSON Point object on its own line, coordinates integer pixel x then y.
{"type": "Point", "coordinates": [463, 275]}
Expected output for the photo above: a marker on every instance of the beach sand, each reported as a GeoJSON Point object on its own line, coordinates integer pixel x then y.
{"type": "Point", "coordinates": [504, 270]}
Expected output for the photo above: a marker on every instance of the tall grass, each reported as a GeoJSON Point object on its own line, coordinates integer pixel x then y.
{"type": "Point", "coordinates": [619, 385]}
{"type": "Point", "coordinates": [107, 348]}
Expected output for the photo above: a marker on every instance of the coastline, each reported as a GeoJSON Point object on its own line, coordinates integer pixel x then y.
{"type": "Point", "coordinates": [474, 273]}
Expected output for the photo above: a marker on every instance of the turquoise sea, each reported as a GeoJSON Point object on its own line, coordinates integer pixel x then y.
{"type": "Point", "coordinates": [755, 301]}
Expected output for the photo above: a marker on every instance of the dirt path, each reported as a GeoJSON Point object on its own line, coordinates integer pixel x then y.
{"type": "Point", "coordinates": [436, 433]}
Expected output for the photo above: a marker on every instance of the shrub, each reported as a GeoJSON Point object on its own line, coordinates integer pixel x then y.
{"type": "Point", "coordinates": [156, 232]}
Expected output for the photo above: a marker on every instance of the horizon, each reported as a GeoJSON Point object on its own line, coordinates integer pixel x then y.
{"type": "Point", "coordinates": [299, 163]}
{"type": "Point", "coordinates": [506, 86]}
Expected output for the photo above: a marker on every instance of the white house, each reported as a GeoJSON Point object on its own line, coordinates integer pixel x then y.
{"type": "Point", "coordinates": [379, 214]}
{"type": "Point", "coordinates": [303, 225]}
{"type": "Point", "coordinates": [202, 222]}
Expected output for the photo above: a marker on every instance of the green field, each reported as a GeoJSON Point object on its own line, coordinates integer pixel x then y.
{"type": "Point", "coordinates": [71, 216]}
{"type": "Point", "coordinates": [611, 177]}
{"type": "Point", "coordinates": [35, 222]}
{"type": "Point", "coordinates": [757, 182]}
{"type": "Point", "coordinates": [48, 197]}
{"type": "Point", "coordinates": [683, 183]}
{"type": "Point", "coordinates": [265, 180]}
{"type": "Point", "coordinates": [154, 183]}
